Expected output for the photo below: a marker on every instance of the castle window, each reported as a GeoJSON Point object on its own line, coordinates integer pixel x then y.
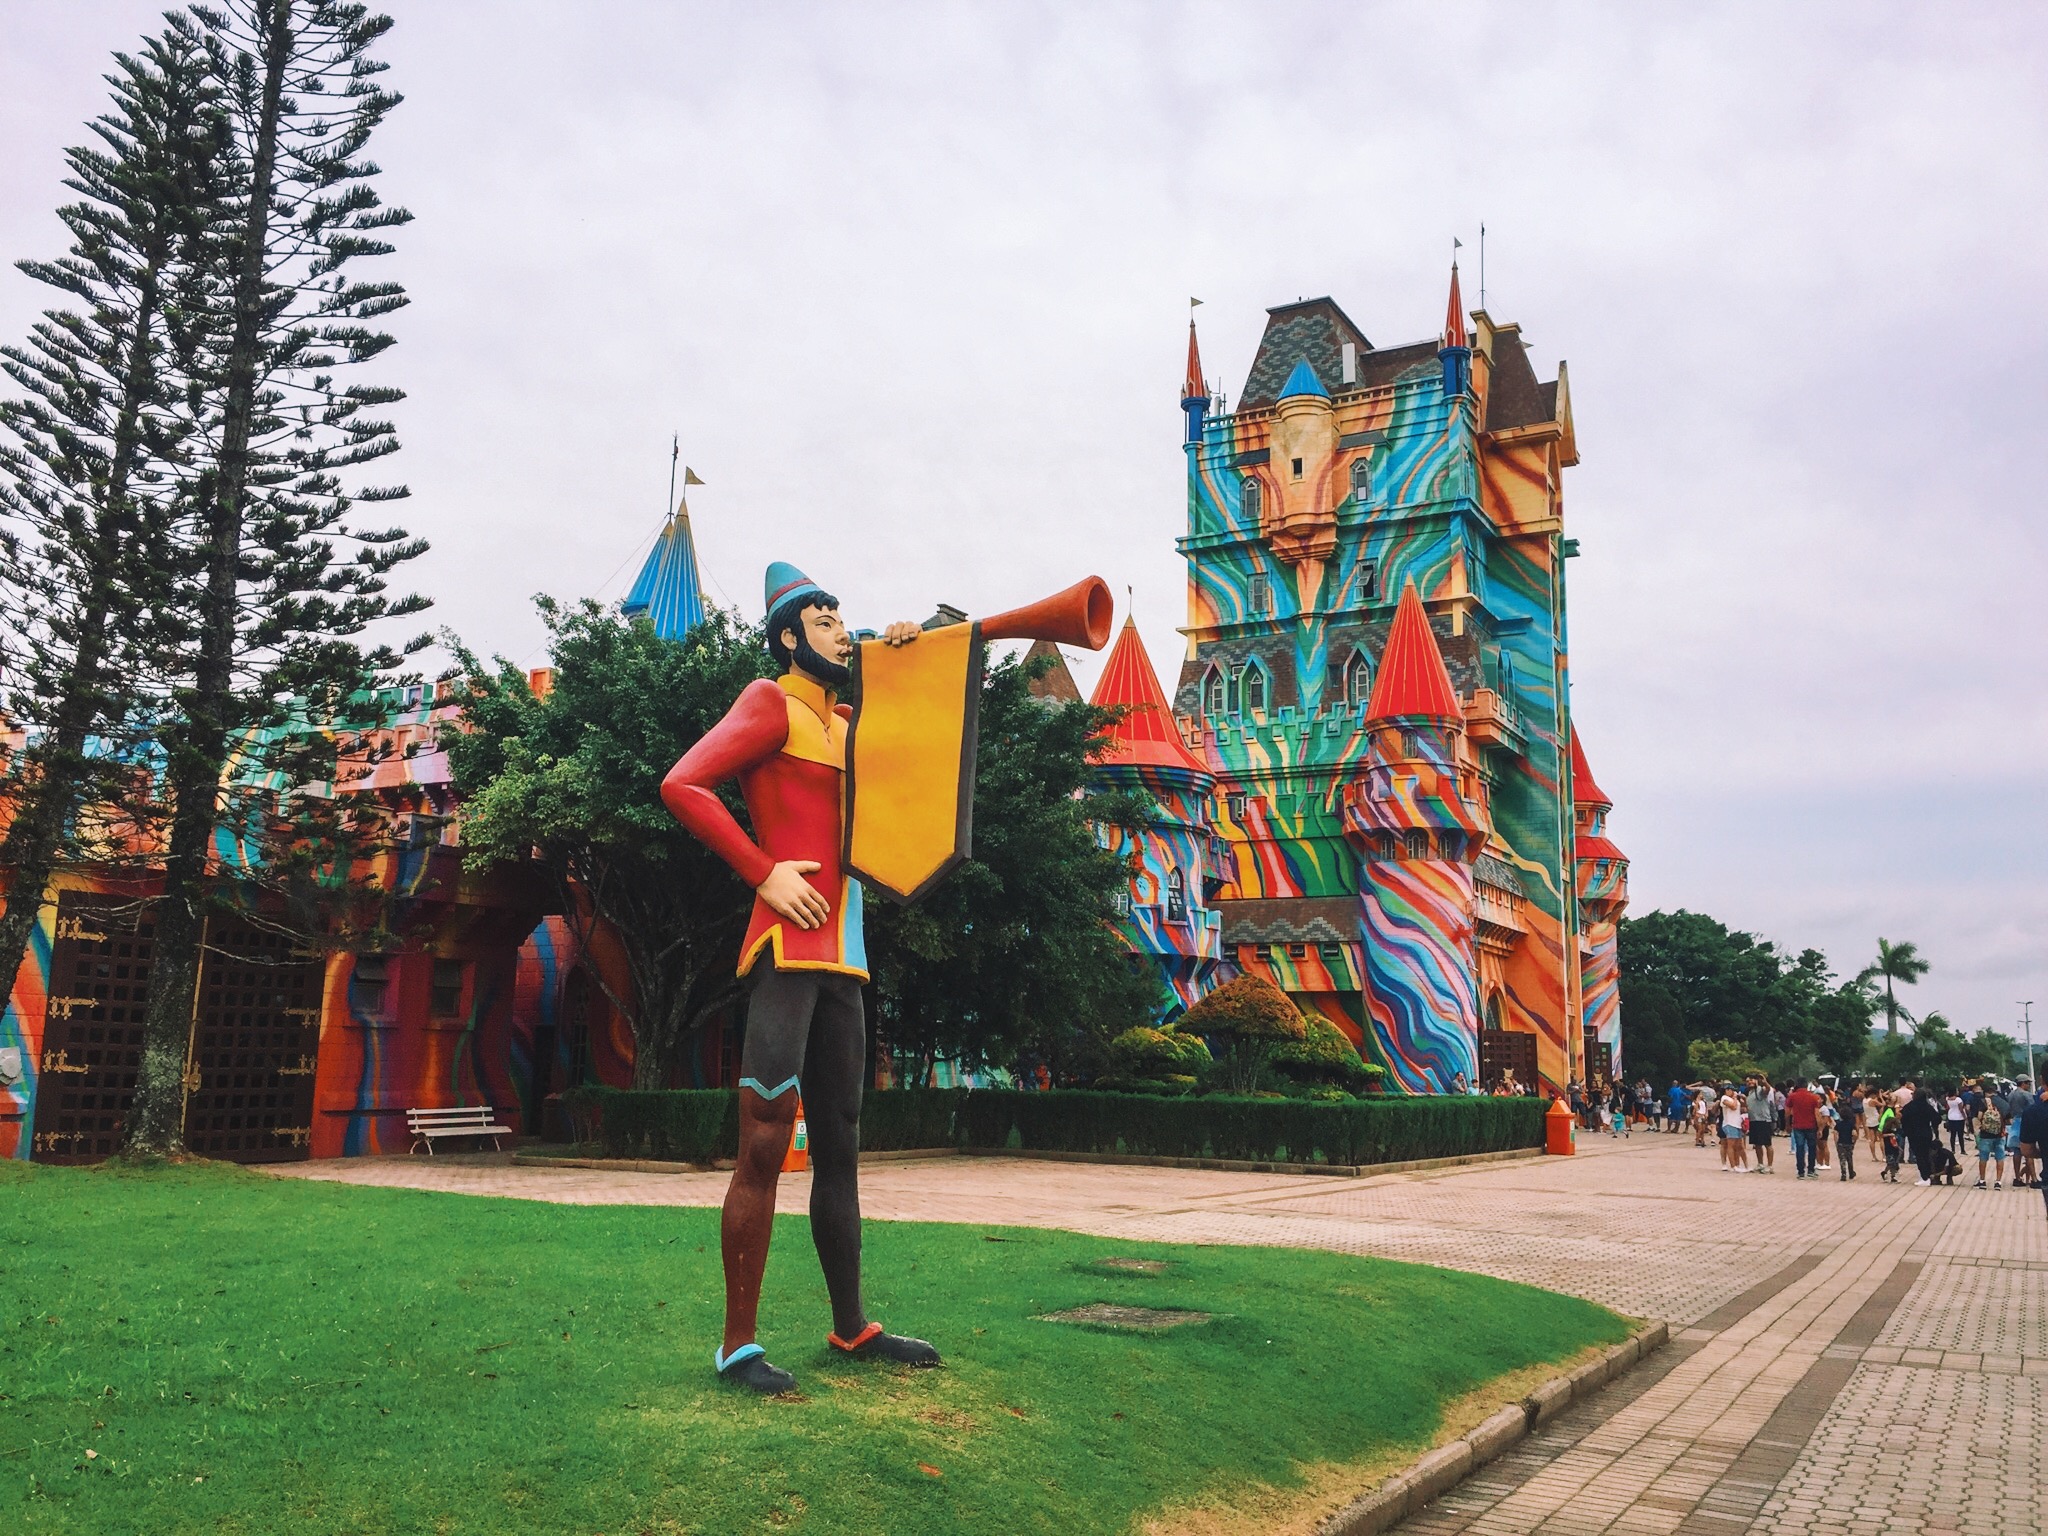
{"type": "Point", "coordinates": [1298, 951]}
{"type": "Point", "coordinates": [1176, 897]}
{"type": "Point", "coordinates": [1361, 479]}
{"type": "Point", "coordinates": [1235, 802]}
{"type": "Point", "coordinates": [1120, 903]}
{"type": "Point", "coordinates": [1234, 698]}
{"type": "Point", "coordinates": [1254, 687]}
{"type": "Point", "coordinates": [1333, 686]}
{"type": "Point", "coordinates": [1251, 499]}
{"type": "Point", "coordinates": [1212, 691]}
{"type": "Point", "coordinates": [1368, 580]}
{"type": "Point", "coordinates": [1294, 466]}
{"type": "Point", "coordinates": [1418, 843]}
{"type": "Point", "coordinates": [1357, 678]}
{"type": "Point", "coordinates": [1333, 951]}
{"type": "Point", "coordinates": [369, 982]}
{"type": "Point", "coordinates": [446, 998]}
{"type": "Point", "coordinates": [1262, 595]}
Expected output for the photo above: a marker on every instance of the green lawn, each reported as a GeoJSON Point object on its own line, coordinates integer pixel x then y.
{"type": "Point", "coordinates": [245, 1354]}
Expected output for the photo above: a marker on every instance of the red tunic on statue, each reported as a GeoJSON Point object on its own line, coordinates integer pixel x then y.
{"type": "Point", "coordinates": [785, 742]}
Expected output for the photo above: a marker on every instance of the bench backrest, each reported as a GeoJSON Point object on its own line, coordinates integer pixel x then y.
{"type": "Point", "coordinates": [447, 1119]}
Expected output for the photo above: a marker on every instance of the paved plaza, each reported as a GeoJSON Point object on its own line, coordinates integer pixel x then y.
{"type": "Point", "coordinates": [1846, 1357]}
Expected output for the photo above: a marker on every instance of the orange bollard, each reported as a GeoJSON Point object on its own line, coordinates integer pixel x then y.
{"type": "Point", "coordinates": [1560, 1130]}
{"type": "Point", "coordinates": [798, 1158]}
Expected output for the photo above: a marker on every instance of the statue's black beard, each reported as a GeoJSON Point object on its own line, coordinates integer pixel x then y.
{"type": "Point", "coordinates": [813, 664]}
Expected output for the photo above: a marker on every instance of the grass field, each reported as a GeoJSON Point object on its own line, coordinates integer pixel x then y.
{"type": "Point", "coordinates": [202, 1349]}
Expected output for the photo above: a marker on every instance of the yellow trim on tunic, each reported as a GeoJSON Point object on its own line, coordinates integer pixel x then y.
{"type": "Point", "coordinates": [817, 732]}
{"type": "Point", "coordinates": [771, 938]}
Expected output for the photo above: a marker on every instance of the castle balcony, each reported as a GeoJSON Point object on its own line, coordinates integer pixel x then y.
{"type": "Point", "coordinates": [1490, 722]}
{"type": "Point", "coordinates": [1497, 901]}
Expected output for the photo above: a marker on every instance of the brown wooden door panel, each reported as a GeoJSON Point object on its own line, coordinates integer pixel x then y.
{"type": "Point", "coordinates": [1509, 1050]}
{"type": "Point", "coordinates": [255, 1039]}
{"type": "Point", "coordinates": [92, 1032]}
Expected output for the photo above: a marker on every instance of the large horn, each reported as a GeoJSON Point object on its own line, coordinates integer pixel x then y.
{"type": "Point", "coordinates": [1080, 616]}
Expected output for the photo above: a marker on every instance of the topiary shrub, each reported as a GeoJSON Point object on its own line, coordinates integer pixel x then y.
{"type": "Point", "coordinates": [1251, 1017]}
{"type": "Point", "coordinates": [1146, 1054]}
{"type": "Point", "coordinates": [1325, 1057]}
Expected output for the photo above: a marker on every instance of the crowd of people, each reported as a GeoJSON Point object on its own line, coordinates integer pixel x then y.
{"type": "Point", "coordinates": [1935, 1130]}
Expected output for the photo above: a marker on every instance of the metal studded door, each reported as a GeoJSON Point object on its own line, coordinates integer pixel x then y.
{"type": "Point", "coordinates": [92, 1033]}
{"type": "Point", "coordinates": [1508, 1050]}
{"type": "Point", "coordinates": [1599, 1063]}
{"type": "Point", "coordinates": [255, 1039]}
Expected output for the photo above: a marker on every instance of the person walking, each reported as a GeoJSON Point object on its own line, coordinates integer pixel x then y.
{"type": "Point", "coordinates": [1990, 1128]}
{"type": "Point", "coordinates": [1824, 1134]}
{"type": "Point", "coordinates": [1677, 1107]}
{"type": "Point", "coordinates": [1888, 1137]}
{"type": "Point", "coordinates": [2015, 1108]}
{"type": "Point", "coordinates": [1763, 1122]}
{"type": "Point", "coordinates": [2034, 1137]}
{"type": "Point", "coordinates": [1802, 1106]}
{"type": "Point", "coordinates": [1705, 1106]}
{"type": "Point", "coordinates": [1873, 1111]}
{"type": "Point", "coordinates": [1732, 1160]}
{"type": "Point", "coordinates": [1920, 1124]}
{"type": "Point", "coordinates": [1848, 1126]}
{"type": "Point", "coordinates": [1956, 1120]}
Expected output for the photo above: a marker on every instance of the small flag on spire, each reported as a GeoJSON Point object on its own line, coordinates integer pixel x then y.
{"type": "Point", "coordinates": [690, 476]}
{"type": "Point", "coordinates": [1193, 302]}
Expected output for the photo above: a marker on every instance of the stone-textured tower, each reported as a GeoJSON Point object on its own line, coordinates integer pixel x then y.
{"type": "Point", "coordinates": [1414, 819]}
{"type": "Point", "coordinates": [1602, 880]}
{"type": "Point", "coordinates": [1345, 473]}
{"type": "Point", "coordinates": [1177, 860]}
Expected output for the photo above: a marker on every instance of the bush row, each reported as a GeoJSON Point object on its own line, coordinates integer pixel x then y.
{"type": "Point", "coordinates": [696, 1126]}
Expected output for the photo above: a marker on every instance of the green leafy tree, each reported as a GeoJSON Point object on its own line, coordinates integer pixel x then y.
{"type": "Point", "coordinates": [1935, 1051]}
{"type": "Point", "coordinates": [1250, 1017]}
{"type": "Point", "coordinates": [279, 583]}
{"type": "Point", "coordinates": [1013, 955]}
{"type": "Point", "coordinates": [1720, 1061]}
{"type": "Point", "coordinates": [575, 776]}
{"type": "Point", "coordinates": [1727, 984]}
{"type": "Point", "coordinates": [88, 466]}
{"type": "Point", "coordinates": [1840, 1031]}
{"type": "Point", "coordinates": [1654, 1031]}
{"type": "Point", "coordinates": [1896, 965]}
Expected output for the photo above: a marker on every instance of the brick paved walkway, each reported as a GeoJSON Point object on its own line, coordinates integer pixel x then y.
{"type": "Point", "coordinates": [1849, 1357]}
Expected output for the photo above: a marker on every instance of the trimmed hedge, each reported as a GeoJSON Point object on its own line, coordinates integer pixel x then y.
{"type": "Point", "coordinates": [698, 1125]}
{"type": "Point", "coordinates": [1377, 1130]}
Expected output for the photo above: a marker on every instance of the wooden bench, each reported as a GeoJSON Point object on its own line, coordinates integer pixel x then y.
{"type": "Point", "coordinates": [477, 1120]}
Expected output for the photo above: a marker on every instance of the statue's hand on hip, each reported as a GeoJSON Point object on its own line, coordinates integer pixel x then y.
{"type": "Point", "coordinates": [792, 896]}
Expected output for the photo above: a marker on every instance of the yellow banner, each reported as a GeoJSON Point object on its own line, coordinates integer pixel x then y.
{"type": "Point", "coordinates": [910, 759]}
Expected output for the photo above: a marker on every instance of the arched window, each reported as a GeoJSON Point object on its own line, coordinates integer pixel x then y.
{"type": "Point", "coordinates": [1357, 678]}
{"type": "Point", "coordinates": [1176, 897]}
{"type": "Point", "coordinates": [1361, 479]}
{"type": "Point", "coordinates": [1418, 843]}
{"type": "Point", "coordinates": [1493, 1011]}
{"type": "Point", "coordinates": [1251, 498]}
{"type": "Point", "coordinates": [1254, 687]}
{"type": "Point", "coordinates": [1261, 595]}
{"type": "Point", "coordinates": [1212, 691]}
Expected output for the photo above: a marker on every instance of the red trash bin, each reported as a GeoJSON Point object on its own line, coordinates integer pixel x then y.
{"type": "Point", "coordinates": [1560, 1130]}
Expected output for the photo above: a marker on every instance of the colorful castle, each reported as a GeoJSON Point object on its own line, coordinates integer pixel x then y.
{"type": "Point", "coordinates": [1368, 784]}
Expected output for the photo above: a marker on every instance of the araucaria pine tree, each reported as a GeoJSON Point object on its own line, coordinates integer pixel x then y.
{"type": "Point", "coordinates": [270, 629]}
{"type": "Point", "coordinates": [91, 453]}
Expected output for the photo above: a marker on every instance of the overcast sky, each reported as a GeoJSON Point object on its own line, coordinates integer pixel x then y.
{"type": "Point", "coordinates": [912, 283]}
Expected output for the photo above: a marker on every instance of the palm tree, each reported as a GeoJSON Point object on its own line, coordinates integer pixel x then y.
{"type": "Point", "coordinates": [1900, 963]}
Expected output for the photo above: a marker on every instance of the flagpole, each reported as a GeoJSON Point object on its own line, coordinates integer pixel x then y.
{"type": "Point", "coordinates": [675, 451]}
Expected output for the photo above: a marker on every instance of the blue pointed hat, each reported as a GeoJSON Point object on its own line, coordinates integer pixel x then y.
{"type": "Point", "coordinates": [784, 582]}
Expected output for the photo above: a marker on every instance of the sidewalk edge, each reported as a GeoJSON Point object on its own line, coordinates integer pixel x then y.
{"type": "Point", "coordinates": [1440, 1470]}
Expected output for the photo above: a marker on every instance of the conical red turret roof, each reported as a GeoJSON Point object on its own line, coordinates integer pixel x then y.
{"type": "Point", "coordinates": [1194, 388]}
{"type": "Point", "coordinates": [1455, 334]}
{"type": "Point", "coordinates": [1412, 681]}
{"type": "Point", "coordinates": [1584, 790]}
{"type": "Point", "coordinates": [1147, 734]}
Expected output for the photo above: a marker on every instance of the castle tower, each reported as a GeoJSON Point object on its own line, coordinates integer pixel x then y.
{"type": "Point", "coordinates": [1194, 393]}
{"type": "Point", "coordinates": [1175, 855]}
{"type": "Point", "coordinates": [1602, 882]}
{"type": "Point", "coordinates": [667, 590]}
{"type": "Point", "coordinates": [1417, 828]}
{"type": "Point", "coordinates": [1345, 473]}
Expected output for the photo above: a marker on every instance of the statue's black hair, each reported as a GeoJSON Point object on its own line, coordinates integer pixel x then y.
{"type": "Point", "coordinates": [790, 615]}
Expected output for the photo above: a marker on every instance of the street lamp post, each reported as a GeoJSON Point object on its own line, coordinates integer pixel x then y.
{"type": "Point", "coordinates": [2027, 1024]}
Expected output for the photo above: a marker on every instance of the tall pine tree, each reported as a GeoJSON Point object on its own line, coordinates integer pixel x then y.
{"type": "Point", "coordinates": [90, 460]}
{"type": "Point", "coordinates": [269, 637]}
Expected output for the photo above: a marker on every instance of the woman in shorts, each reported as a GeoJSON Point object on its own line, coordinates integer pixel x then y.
{"type": "Point", "coordinates": [1733, 1126]}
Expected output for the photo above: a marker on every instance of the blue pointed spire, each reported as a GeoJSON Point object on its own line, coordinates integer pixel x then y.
{"type": "Point", "coordinates": [667, 590]}
{"type": "Point", "coordinates": [1302, 381]}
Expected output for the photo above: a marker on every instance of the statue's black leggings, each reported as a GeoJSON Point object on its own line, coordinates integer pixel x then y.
{"type": "Point", "coordinates": [805, 1029]}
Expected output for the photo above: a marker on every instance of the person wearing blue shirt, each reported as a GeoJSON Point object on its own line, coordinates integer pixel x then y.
{"type": "Point", "coordinates": [1677, 1105]}
{"type": "Point", "coordinates": [2034, 1137]}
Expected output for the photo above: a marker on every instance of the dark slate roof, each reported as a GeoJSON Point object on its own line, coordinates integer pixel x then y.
{"type": "Point", "coordinates": [1313, 331]}
{"type": "Point", "coordinates": [1498, 873]}
{"type": "Point", "coordinates": [1290, 920]}
{"type": "Point", "coordinates": [1057, 686]}
{"type": "Point", "coordinates": [1514, 398]}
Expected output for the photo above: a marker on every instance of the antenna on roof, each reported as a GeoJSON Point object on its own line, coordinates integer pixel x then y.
{"type": "Point", "coordinates": [1482, 263]}
{"type": "Point", "coordinates": [675, 452]}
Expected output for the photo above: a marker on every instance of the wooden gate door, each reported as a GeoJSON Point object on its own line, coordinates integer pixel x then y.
{"type": "Point", "coordinates": [255, 1039]}
{"type": "Point", "coordinates": [1508, 1050]}
{"type": "Point", "coordinates": [92, 1033]}
{"type": "Point", "coordinates": [1599, 1063]}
